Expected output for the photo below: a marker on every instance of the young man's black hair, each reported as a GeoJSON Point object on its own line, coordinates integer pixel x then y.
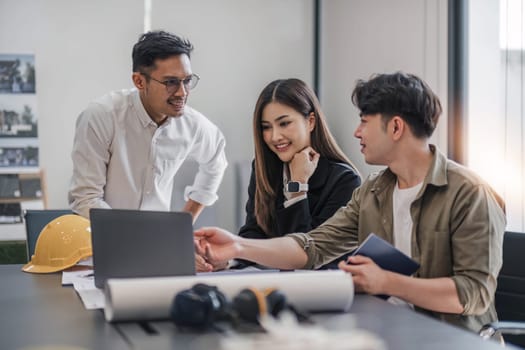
{"type": "Point", "coordinates": [158, 45]}
{"type": "Point", "coordinates": [400, 94]}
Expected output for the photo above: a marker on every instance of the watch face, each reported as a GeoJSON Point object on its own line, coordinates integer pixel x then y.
{"type": "Point", "coordinates": [293, 186]}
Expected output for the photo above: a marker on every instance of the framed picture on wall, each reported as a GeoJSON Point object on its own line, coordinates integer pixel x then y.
{"type": "Point", "coordinates": [18, 116]}
{"type": "Point", "coordinates": [17, 74]}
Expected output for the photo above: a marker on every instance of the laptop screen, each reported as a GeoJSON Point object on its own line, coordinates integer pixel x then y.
{"type": "Point", "coordinates": [139, 243]}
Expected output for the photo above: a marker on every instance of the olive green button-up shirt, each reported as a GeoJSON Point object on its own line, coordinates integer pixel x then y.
{"type": "Point", "coordinates": [459, 222]}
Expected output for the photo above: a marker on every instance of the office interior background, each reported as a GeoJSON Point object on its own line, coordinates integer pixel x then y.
{"type": "Point", "coordinates": [82, 50]}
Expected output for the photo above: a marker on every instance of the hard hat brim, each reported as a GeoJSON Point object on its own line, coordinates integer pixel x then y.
{"type": "Point", "coordinates": [35, 268]}
{"type": "Point", "coordinates": [32, 268]}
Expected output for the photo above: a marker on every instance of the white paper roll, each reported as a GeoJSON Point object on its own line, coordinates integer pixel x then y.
{"type": "Point", "coordinates": [133, 299]}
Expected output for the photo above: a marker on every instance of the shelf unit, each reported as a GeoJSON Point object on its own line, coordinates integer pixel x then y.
{"type": "Point", "coordinates": [20, 189]}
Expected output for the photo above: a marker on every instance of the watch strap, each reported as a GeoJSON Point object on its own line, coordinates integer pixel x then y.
{"type": "Point", "coordinates": [294, 187]}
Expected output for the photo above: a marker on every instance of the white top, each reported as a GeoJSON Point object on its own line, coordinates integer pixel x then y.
{"type": "Point", "coordinates": [402, 199]}
{"type": "Point", "coordinates": [122, 159]}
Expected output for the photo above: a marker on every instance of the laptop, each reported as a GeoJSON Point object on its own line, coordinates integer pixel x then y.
{"type": "Point", "coordinates": [138, 243]}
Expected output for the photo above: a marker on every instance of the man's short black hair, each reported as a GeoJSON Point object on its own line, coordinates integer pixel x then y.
{"type": "Point", "coordinates": [155, 45]}
{"type": "Point", "coordinates": [400, 94]}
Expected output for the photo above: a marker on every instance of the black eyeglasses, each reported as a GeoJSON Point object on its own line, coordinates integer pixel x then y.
{"type": "Point", "coordinates": [173, 85]}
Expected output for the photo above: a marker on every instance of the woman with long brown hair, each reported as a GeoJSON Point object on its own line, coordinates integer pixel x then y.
{"type": "Point", "coordinates": [300, 177]}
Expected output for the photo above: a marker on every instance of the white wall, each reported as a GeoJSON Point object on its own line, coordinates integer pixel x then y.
{"type": "Point", "coordinates": [363, 37]}
{"type": "Point", "coordinates": [83, 50]}
{"type": "Point", "coordinates": [240, 46]}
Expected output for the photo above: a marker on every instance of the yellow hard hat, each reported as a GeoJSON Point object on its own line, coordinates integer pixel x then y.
{"type": "Point", "coordinates": [61, 244]}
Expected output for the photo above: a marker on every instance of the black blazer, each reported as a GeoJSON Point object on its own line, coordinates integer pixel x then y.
{"type": "Point", "coordinates": [329, 188]}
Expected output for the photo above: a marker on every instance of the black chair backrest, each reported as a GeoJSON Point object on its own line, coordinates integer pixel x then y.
{"type": "Point", "coordinates": [510, 294]}
{"type": "Point", "coordinates": [35, 221]}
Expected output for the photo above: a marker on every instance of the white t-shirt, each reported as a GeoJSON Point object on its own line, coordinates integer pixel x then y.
{"type": "Point", "coordinates": [402, 199]}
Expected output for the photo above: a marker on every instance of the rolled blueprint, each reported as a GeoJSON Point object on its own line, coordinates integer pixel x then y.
{"type": "Point", "coordinates": [133, 299]}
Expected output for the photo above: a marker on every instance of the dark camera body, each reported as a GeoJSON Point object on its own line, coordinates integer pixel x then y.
{"type": "Point", "coordinates": [203, 305]}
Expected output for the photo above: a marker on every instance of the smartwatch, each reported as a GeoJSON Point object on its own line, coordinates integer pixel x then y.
{"type": "Point", "coordinates": [294, 187]}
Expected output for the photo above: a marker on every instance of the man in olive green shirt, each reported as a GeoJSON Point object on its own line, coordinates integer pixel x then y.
{"type": "Point", "coordinates": [438, 212]}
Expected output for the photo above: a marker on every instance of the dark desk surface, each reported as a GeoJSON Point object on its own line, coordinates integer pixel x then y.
{"type": "Point", "coordinates": [36, 311]}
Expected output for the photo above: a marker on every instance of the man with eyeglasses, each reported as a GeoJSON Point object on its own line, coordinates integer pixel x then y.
{"type": "Point", "coordinates": [130, 144]}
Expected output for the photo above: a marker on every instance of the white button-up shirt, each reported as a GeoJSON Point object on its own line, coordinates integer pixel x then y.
{"type": "Point", "coordinates": [122, 159]}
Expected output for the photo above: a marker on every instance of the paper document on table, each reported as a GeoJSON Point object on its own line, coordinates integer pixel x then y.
{"type": "Point", "coordinates": [86, 262]}
{"type": "Point", "coordinates": [68, 277]}
{"type": "Point", "coordinates": [84, 284]}
{"type": "Point", "coordinates": [150, 298]}
{"type": "Point", "coordinates": [91, 296]}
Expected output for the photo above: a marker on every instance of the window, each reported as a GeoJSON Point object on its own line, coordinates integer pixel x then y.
{"type": "Point", "coordinates": [496, 95]}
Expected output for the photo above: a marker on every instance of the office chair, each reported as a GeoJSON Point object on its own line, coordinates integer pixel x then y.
{"type": "Point", "coordinates": [243, 171]}
{"type": "Point", "coordinates": [510, 294]}
{"type": "Point", "coordinates": [35, 220]}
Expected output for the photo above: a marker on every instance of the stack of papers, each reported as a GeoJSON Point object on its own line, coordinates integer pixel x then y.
{"type": "Point", "coordinates": [84, 284]}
